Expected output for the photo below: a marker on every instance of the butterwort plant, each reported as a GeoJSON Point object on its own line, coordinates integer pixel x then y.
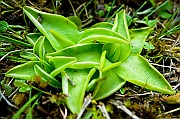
{"type": "Point", "coordinates": [98, 60]}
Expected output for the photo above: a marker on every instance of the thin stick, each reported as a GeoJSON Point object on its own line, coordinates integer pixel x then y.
{"type": "Point", "coordinates": [171, 111]}
{"type": "Point", "coordinates": [166, 66]}
{"type": "Point", "coordinates": [7, 101]}
{"type": "Point", "coordinates": [87, 101]}
{"type": "Point", "coordinates": [103, 110]}
{"type": "Point", "coordinates": [122, 107]}
{"type": "Point", "coordinates": [72, 8]}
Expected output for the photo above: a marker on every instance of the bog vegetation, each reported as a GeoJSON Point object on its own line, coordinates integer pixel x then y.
{"type": "Point", "coordinates": [77, 67]}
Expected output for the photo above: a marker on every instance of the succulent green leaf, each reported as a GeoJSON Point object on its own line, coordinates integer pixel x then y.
{"type": "Point", "coordinates": [111, 66]}
{"type": "Point", "coordinates": [125, 50]}
{"type": "Point", "coordinates": [148, 46]}
{"type": "Point", "coordinates": [137, 70]}
{"type": "Point", "coordinates": [82, 52]}
{"type": "Point", "coordinates": [64, 82]}
{"type": "Point", "coordinates": [106, 25]}
{"type": "Point", "coordinates": [110, 83]}
{"type": "Point", "coordinates": [45, 21]}
{"type": "Point", "coordinates": [138, 37]}
{"type": "Point", "coordinates": [33, 37]}
{"type": "Point", "coordinates": [60, 63]}
{"type": "Point", "coordinates": [92, 83]}
{"type": "Point", "coordinates": [23, 71]}
{"type": "Point", "coordinates": [20, 83]}
{"type": "Point", "coordinates": [120, 24]}
{"type": "Point", "coordinates": [117, 52]}
{"type": "Point", "coordinates": [84, 65]}
{"type": "Point", "coordinates": [39, 47]}
{"type": "Point", "coordinates": [7, 88]}
{"type": "Point", "coordinates": [29, 55]}
{"type": "Point", "coordinates": [46, 66]}
{"type": "Point", "coordinates": [76, 93]}
{"type": "Point", "coordinates": [24, 89]}
{"type": "Point", "coordinates": [76, 20]}
{"type": "Point", "coordinates": [107, 65]}
{"type": "Point", "coordinates": [64, 42]}
{"type": "Point", "coordinates": [46, 77]}
{"type": "Point", "coordinates": [100, 31]}
{"type": "Point", "coordinates": [102, 60]}
{"type": "Point", "coordinates": [111, 49]}
{"type": "Point", "coordinates": [102, 38]}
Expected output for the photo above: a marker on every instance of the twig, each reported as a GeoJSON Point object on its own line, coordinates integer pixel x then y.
{"type": "Point", "coordinates": [122, 107]}
{"type": "Point", "coordinates": [166, 66]}
{"type": "Point", "coordinates": [103, 110]}
{"type": "Point", "coordinates": [171, 111]}
{"type": "Point", "coordinates": [8, 54]}
{"type": "Point", "coordinates": [64, 114]}
{"type": "Point", "coordinates": [87, 101]}
{"type": "Point", "coordinates": [9, 103]}
{"type": "Point", "coordinates": [135, 95]}
{"type": "Point", "coordinates": [72, 8]}
{"type": "Point", "coordinates": [175, 87]}
{"type": "Point", "coordinates": [13, 92]}
{"type": "Point", "coordinates": [88, 22]}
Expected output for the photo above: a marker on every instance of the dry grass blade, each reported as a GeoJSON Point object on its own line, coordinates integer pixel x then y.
{"type": "Point", "coordinates": [103, 110]}
{"type": "Point", "coordinates": [87, 101]}
{"type": "Point", "coordinates": [122, 107]}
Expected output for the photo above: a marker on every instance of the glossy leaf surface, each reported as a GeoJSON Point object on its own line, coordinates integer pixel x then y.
{"type": "Point", "coordinates": [138, 37]}
{"type": "Point", "coordinates": [33, 37]}
{"type": "Point", "coordinates": [64, 42]}
{"type": "Point", "coordinates": [23, 71]}
{"type": "Point", "coordinates": [76, 93]}
{"type": "Point", "coordinates": [120, 24]}
{"type": "Point", "coordinates": [60, 63]}
{"type": "Point", "coordinates": [29, 55]}
{"type": "Point", "coordinates": [49, 21]}
{"type": "Point", "coordinates": [101, 31]}
{"type": "Point", "coordinates": [102, 38]}
{"type": "Point", "coordinates": [137, 70]}
{"type": "Point", "coordinates": [121, 27]}
{"type": "Point", "coordinates": [46, 77]}
{"type": "Point", "coordinates": [39, 47]}
{"type": "Point", "coordinates": [103, 25]}
{"type": "Point", "coordinates": [109, 81]}
{"type": "Point", "coordinates": [82, 52]}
